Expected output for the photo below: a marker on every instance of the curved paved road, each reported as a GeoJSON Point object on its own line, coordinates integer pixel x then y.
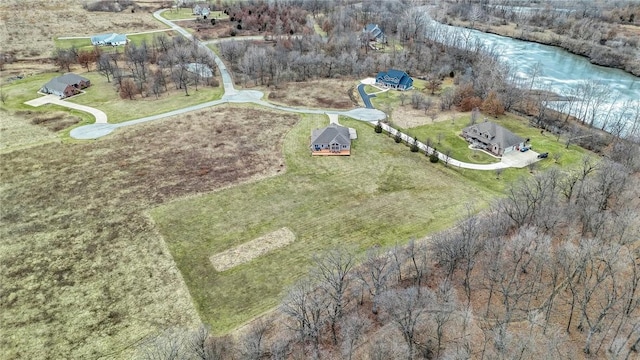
{"type": "Point", "coordinates": [365, 97]}
{"type": "Point", "coordinates": [231, 95]}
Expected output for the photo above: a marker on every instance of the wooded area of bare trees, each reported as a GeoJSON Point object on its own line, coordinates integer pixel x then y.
{"type": "Point", "coordinates": [550, 271]}
{"type": "Point", "coordinates": [147, 69]}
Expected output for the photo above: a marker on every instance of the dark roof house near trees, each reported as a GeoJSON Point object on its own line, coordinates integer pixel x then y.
{"type": "Point", "coordinates": [374, 33]}
{"type": "Point", "coordinates": [493, 138]}
{"type": "Point", "coordinates": [394, 79]}
{"type": "Point", "coordinates": [66, 85]}
{"type": "Point", "coordinates": [331, 140]}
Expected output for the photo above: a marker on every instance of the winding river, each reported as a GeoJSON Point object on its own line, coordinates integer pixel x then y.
{"type": "Point", "coordinates": [557, 70]}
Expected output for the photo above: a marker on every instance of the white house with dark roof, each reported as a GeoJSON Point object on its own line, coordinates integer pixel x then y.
{"type": "Point", "coordinates": [331, 140]}
{"type": "Point", "coordinates": [112, 39]}
{"type": "Point", "coordinates": [66, 85]}
{"type": "Point", "coordinates": [201, 10]}
{"type": "Point", "coordinates": [493, 138]}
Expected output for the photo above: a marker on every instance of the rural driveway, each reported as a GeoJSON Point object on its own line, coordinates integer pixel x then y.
{"type": "Point", "coordinates": [365, 97]}
{"type": "Point", "coordinates": [101, 117]}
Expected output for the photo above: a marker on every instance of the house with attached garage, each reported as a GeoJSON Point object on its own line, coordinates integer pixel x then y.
{"type": "Point", "coordinates": [66, 85]}
{"type": "Point", "coordinates": [112, 39]}
{"type": "Point", "coordinates": [493, 138]}
{"type": "Point", "coordinates": [394, 79]}
{"type": "Point", "coordinates": [331, 140]}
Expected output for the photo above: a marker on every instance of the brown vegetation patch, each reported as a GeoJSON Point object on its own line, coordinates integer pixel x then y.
{"type": "Point", "coordinates": [30, 26]}
{"type": "Point", "coordinates": [321, 93]}
{"type": "Point", "coordinates": [82, 265]}
{"type": "Point", "coordinates": [55, 121]}
{"type": "Point", "coordinates": [407, 117]}
{"type": "Point", "coordinates": [248, 251]}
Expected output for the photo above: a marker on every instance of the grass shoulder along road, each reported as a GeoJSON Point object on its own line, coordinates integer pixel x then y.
{"type": "Point", "coordinates": [103, 96]}
{"type": "Point", "coordinates": [382, 194]}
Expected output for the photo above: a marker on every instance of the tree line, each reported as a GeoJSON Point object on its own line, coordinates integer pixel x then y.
{"type": "Point", "coordinates": [147, 69]}
{"type": "Point", "coordinates": [552, 270]}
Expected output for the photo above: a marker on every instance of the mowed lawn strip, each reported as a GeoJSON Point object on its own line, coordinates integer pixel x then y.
{"type": "Point", "coordinates": [382, 194]}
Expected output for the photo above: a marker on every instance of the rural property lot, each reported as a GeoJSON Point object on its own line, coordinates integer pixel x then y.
{"type": "Point", "coordinates": [381, 194]}
{"type": "Point", "coordinates": [84, 272]}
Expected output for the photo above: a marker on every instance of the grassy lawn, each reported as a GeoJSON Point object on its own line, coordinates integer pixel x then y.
{"type": "Point", "coordinates": [187, 13]}
{"type": "Point", "coordinates": [451, 139]}
{"type": "Point", "coordinates": [102, 95]}
{"type": "Point", "coordinates": [85, 44]}
{"type": "Point", "coordinates": [382, 194]}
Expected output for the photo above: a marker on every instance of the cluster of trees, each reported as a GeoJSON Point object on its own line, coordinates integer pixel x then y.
{"type": "Point", "coordinates": [550, 271]}
{"type": "Point", "coordinates": [147, 69]}
{"type": "Point", "coordinates": [591, 29]}
{"type": "Point", "coordinates": [273, 17]}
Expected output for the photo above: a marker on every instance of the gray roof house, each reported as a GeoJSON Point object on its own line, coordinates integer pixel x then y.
{"type": "Point", "coordinates": [493, 138]}
{"type": "Point", "coordinates": [112, 39]}
{"type": "Point", "coordinates": [66, 85]}
{"type": "Point", "coordinates": [202, 10]}
{"type": "Point", "coordinates": [331, 140]}
{"type": "Point", "coordinates": [375, 33]}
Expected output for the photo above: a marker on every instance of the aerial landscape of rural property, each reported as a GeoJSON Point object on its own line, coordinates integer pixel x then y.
{"type": "Point", "coordinates": [320, 179]}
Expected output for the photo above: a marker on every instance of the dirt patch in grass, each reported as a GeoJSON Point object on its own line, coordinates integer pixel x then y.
{"type": "Point", "coordinates": [248, 251]}
{"type": "Point", "coordinates": [83, 267]}
{"type": "Point", "coordinates": [322, 93]}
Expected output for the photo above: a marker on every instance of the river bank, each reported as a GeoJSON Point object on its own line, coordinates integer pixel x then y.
{"type": "Point", "coordinates": [596, 54]}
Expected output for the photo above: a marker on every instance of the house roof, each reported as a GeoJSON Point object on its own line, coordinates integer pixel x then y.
{"type": "Point", "coordinates": [55, 86]}
{"type": "Point", "coordinates": [330, 134]}
{"type": "Point", "coordinates": [60, 83]}
{"type": "Point", "coordinates": [393, 76]}
{"type": "Point", "coordinates": [109, 38]}
{"type": "Point", "coordinates": [497, 134]}
{"type": "Point", "coordinates": [71, 79]}
{"type": "Point", "coordinates": [374, 30]}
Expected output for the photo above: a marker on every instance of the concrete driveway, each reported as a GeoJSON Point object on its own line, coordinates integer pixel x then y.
{"type": "Point", "coordinates": [519, 159]}
{"type": "Point", "coordinates": [101, 117]}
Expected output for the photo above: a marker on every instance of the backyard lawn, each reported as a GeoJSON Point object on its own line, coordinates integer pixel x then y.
{"type": "Point", "coordinates": [382, 194]}
{"type": "Point", "coordinates": [450, 139]}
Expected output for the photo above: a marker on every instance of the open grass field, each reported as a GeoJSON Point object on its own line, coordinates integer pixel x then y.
{"type": "Point", "coordinates": [187, 13]}
{"type": "Point", "coordinates": [84, 44]}
{"type": "Point", "coordinates": [320, 94]}
{"type": "Point", "coordinates": [84, 273]}
{"type": "Point", "coordinates": [30, 26]}
{"type": "Point", "coordinates": [381, 194]}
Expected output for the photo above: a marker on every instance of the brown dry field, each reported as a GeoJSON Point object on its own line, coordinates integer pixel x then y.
{"type": "Point", "coordinates": [319, 93]}
{"type": "Point", "coordinates": [407, 117]}
{"type": "Point", "coordinates": [84, 273]}
{"type": "Point", "coordinates": [27, 28]}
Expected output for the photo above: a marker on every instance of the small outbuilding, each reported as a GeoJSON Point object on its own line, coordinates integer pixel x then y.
{"type": "Point", "coordinates": [493, 138]}
{"type": "Point", "coordinates": [394, 79]}
{"type": "Point", "coordinates": [112, 39]}
{"type": "Point", "coordinates": [331, 140]}
{"type": "Point", "coordinates": [66, 85]}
